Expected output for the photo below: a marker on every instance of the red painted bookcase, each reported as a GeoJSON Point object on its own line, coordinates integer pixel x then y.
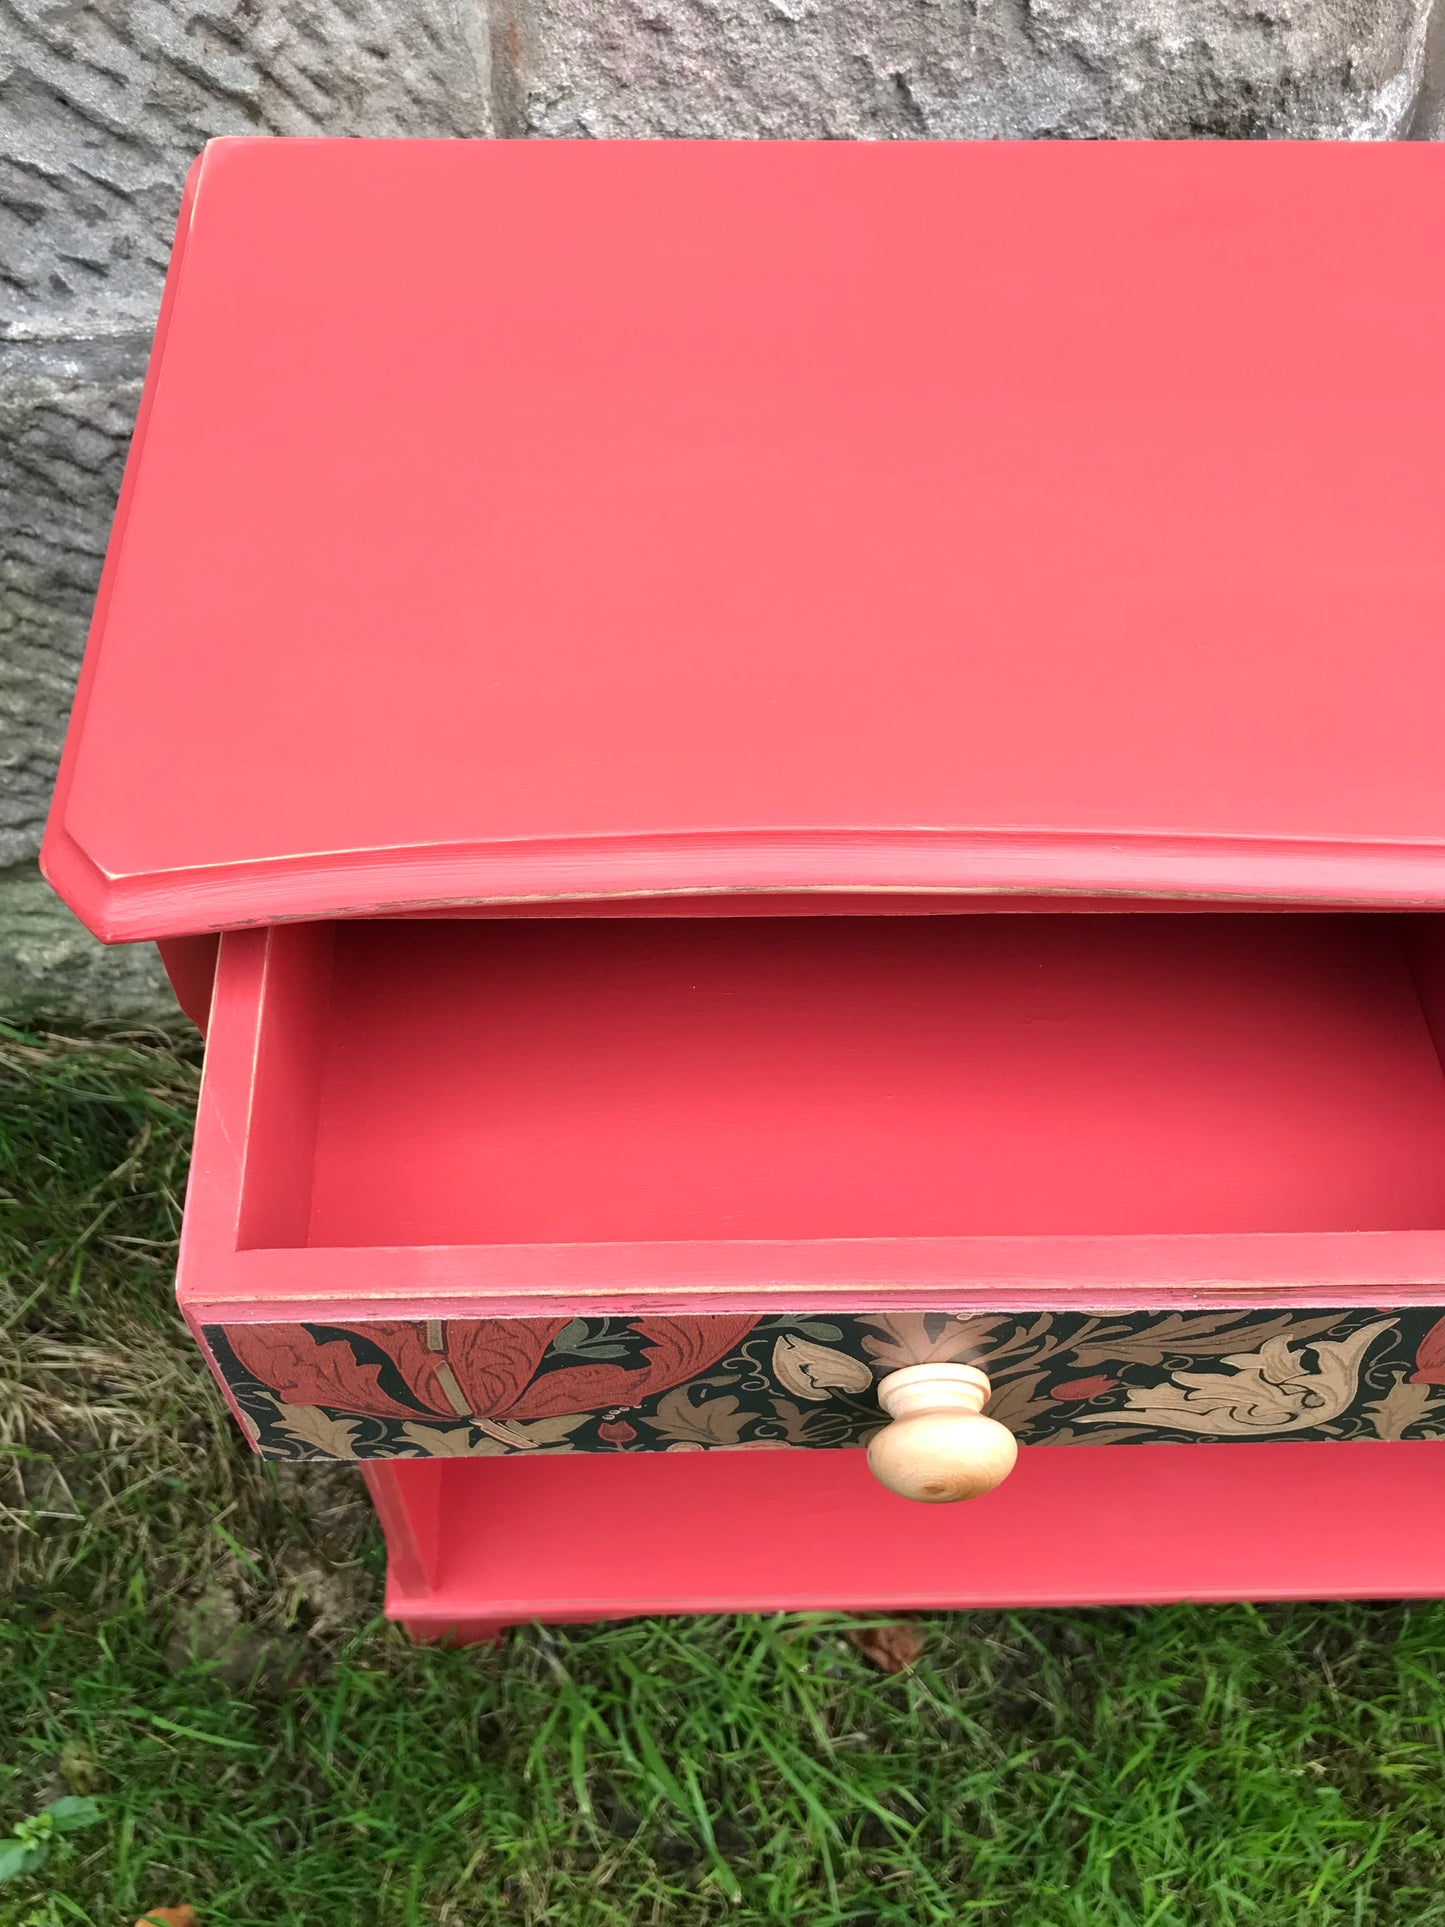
{"type": "Point", "coordinates": [798, 785]}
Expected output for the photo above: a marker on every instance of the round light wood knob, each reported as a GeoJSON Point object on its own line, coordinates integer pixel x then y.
{"type": "Point", "coordinates": [940, 1447]}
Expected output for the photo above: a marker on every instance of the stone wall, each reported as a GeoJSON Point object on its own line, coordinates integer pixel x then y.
{"type": "Point", "coordinates": [103, 104]}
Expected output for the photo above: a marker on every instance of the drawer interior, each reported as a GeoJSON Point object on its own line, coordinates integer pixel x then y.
{"type": "Point", "coordinates": [863, 1076]}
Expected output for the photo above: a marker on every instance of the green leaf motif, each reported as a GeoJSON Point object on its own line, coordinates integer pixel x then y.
{"type": "Point", "coordinates": [577, 1339]}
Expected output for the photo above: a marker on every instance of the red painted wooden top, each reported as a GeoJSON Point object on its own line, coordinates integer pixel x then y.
{"type": "Point", "coordinates": [536, 520]}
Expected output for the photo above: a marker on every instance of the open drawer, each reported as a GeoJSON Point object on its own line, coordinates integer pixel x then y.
{"type": "Point", "coordinates": [481, 1185]}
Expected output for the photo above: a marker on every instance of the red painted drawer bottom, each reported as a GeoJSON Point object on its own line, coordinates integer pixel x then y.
{"type": "Point", "coordinates": [478, 1545]}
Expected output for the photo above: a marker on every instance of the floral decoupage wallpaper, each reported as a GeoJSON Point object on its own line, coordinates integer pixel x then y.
{"type": "Point", "coordinates": [487, 1387]}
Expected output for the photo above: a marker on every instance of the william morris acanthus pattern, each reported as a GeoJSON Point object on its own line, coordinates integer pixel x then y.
{"type": "Point", "coordinates": [485, 1387]}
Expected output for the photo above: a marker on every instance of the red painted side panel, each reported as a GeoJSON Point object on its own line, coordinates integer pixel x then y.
{"type": "Point", "coordinates": [190, 963]}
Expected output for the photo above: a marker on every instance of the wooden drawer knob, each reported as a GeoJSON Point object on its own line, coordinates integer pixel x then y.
{"type": "Point", "coordinates": [939, 1447]}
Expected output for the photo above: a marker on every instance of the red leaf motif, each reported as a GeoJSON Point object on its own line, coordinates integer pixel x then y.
{"type": "Point", "coordinates": [1073, 1388]}
{"type": "Point", "coordinates": [617, 1431]}
{"type": "Point", "coordinates": [304, 1370]}
{"type": "Point", "coordinates": [1430, 1359]}
{"type": "Point", "coordinates": [484, 1367]}
{"type": "Point", "coordinates": [677, 1349]}
{"type": "Point", "coordinates": [495, 1359]}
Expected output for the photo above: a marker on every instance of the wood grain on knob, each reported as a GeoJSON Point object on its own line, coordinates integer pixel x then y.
{"type": "Point", "coordinates": [939, 1447]}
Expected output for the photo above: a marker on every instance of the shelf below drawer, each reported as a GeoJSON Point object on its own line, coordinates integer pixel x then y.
{"type": "Point", "coordinates": [478, 1545]}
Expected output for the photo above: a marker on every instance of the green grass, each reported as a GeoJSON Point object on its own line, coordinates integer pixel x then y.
{"type": "Point", "coordinates": [194, 1638]}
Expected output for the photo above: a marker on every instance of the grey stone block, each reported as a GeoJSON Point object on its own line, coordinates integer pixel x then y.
{"type": "Point", "coordinates": [52, 971]}
{"type": "Point", "coordinates": [65, 422]}
{"type": "Point", "coordinates": [1427, 123]}
{"type": "Point", "coordinates": [104, 103]}
{"type": "Point", "coordinates": [947, 69]}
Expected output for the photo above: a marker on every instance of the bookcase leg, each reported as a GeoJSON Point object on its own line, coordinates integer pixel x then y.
{"type": "Point", "coordinates": [407, 1495]}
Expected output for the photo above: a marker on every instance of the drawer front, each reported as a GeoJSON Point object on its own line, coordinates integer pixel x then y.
{"type": "Point", "coordinates": [491, 1387]}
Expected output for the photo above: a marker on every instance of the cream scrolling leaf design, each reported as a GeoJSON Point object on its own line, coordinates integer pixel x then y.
{"type": "Point", "coordinates": [798, 1427]}
{"type": "Point", "coordinates": [900, 1338]}
{"type": "Point", "coordinates": [1402, 1409]}
{"type": "Point", "coordinates": [312, 1426]}
{"type": "Point", "coordinates": [1016, 1401]}
{"type": "Point", "coordinates": [1269, 1390]}
{"type": "Point", "coordinates": [1191, 1334]}
{"type": "Point", "coordinates": [540, 1436]}
{"type": "Point", "coordinates": [815, 1371]}
{"type": "Point", "coordinates": [711, 1421]}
